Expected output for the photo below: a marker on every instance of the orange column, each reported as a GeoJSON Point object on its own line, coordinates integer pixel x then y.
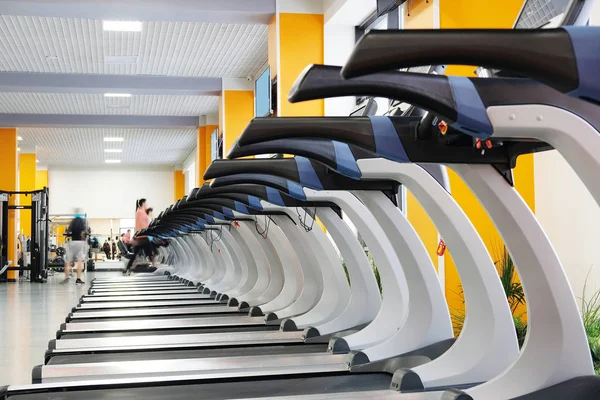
{"type": "Point", "coordinates": [301, 42]}
{"type": "Point", "coordinates": [238, 112]}
{"type": "Point", "coordinates": [9, 182]}
{"type": "Point", "coordinates": [179, 191]}
{"type": "Point", "coordinates": [41, 179]}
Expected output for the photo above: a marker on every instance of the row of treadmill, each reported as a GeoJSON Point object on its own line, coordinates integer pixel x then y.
{"type": "Point", "coordinates": [253, 299]}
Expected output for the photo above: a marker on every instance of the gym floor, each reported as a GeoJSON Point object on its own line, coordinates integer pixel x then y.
{"type": "Point", "coordinates": [30, 315]}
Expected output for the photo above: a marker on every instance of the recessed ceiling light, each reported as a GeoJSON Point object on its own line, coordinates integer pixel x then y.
{"type": "Point", "coordinates": [113, 139]}
{"type": "Point", "coordinates": [117, 105]}
{"type": "Point", "coordinates": [122, 26]}
{"type": "Point", "coordinates": [117, 94]}
{"type": "Point", "coordinates": [112, 161]}
{"type": "Point", "coordinates": [113, 150]}
{"type": "Point", "coordinates": [120, 59]}
{"type": "Point", "coordinates": [19, 138]}
{"type": "Point", "coordinates": [18, 149]}
{"type": "Point", "coordinates": [37, 161]}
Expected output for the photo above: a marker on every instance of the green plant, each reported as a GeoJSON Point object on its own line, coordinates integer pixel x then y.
{"type": "Point", "coordinates": [590, 314]}
{"type": "Point", "coordinates": [520, 328]}
{"type": "Point", "coordinates": [508, 272]}
{"type": "Point", "coordinates": [458, 320]}
{"type": "Point", "coordinates": [346, 271]}
{"type": "Point", "coordinates": [375, 270]}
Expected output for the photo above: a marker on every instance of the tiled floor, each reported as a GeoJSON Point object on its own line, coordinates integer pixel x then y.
{"type": "Point", "coordinates": [30, 314]}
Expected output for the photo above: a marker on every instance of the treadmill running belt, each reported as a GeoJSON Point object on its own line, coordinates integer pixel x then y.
{"type": "Point", "coordinates": [238, 389]}
{"type": "Point", "coordinates": [67, 335]}
{"type": "Point", "coordinates": [296, 348]}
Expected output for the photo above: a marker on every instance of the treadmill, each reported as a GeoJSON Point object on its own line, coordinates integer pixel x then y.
{"type": "Point", "coordinates": [409, 396]}
{"type": "Point", "coordinates": [512, 216]}
{"type": "Point", "coordinates": [237, 359]}
{"type": "Point", "coordinates": [355, 313]}
{"type": "Point", "coordinates": [172, 389]}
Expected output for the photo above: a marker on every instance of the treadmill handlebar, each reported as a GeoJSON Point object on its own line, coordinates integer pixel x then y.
{"type": "Point", "coordinates": [563, 58]}
{"type": "Point", "coordinates": [430, 92]}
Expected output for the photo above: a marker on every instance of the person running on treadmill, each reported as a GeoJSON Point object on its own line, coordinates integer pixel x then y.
{"type": "Point", "coordinates": [77, 247]}
{"type": "Point", "coordinates": [141, 216]}
{"type": "Point", "coordinates": [141, 243]}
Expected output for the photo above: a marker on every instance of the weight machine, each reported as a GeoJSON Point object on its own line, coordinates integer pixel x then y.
{"type": "Point", "coordinates": [39, 235]}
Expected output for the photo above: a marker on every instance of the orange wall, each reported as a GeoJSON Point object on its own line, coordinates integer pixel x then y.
{"type": "Point", "coordinates": [301, 44]}
{"type": "Point", "coordinates": [239, 111]}
{"type": "Point", "coordinates": [9, 182]}
{"type": "Point", "coordinates": [465, 14]}
{"type": "Point", "coordinates": [418, 14]}
{"type": "Point", "coordinates": [179, 185]}
{"type": "Point", "coordinates": [478, 14]}
{"type": "Point", "coordinates": [488, 14]}
{"type": "Point", "coordinates": [41, 179]}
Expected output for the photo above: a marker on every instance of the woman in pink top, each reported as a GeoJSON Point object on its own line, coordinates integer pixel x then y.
{"type": "Point", "coordinates": [139, 244]}
{"type": "Point", "coordinates": [142, 220]}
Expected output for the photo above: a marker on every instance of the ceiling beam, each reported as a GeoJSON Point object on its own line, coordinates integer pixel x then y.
{"type": "Point", "coordinates": [212, 11]}
{"type": "Point", "coordinates": [98, 121]}
{"type": "Point", "coordinates": [94, 83]}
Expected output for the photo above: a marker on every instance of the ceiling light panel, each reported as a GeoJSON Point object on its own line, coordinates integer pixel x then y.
{"type": "Point", "coordinates": [81, 45]}
{"type": "Point", "coordinates": [117, 95]}
{"type": "Point", "coordinates": [112, 161]}
{"type": "Point", "coordinates": [113, 150]}
{"type": "Point", "coordinates": [120, 59]}
{"type": "Point", "coordinates": [122, 26]}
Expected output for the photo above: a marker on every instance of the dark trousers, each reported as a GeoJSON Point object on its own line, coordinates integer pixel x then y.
{"type": "Point", "coordinates": [141, 245]}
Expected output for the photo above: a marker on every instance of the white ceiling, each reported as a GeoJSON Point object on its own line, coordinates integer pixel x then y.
{"type": "Point", "coordinates": [79, 46]}
{"type": "Point", "coordinates": [85, 146]}
{"type": "Point", "coordinates": [162, 48]}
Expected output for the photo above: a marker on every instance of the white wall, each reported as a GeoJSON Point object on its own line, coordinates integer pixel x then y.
{"type": "Point", "coordinates": [189, 171]}
{"type": "Point", "coordinates": [339, 43]}
{"type": "Point", "coordinates": [570, 217]}
{"type": "Point", "coordinates": [108, 193]}
{"type": "Point", "coordinates": [341, 17]}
